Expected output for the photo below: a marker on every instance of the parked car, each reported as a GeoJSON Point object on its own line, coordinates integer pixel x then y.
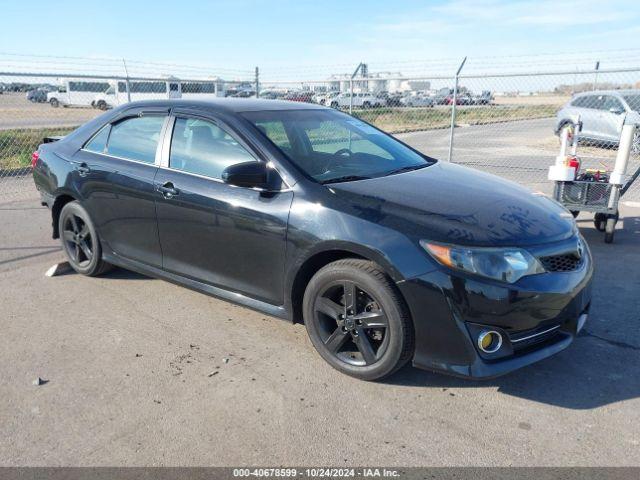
{"type": "Point", "coordinates": [485, 98]}
{"type": "Point", "coordinates": [602, 114]}
{"type": "Point", "coordinates": [272, 94]}
{"type": "Point", "coordinates": [417, 101]}
{"type": "Point", "coordinates": [461, 99]}
{"type": "Point", "coordinates": [325, 97]}
{"type": "Point", "coordinates": [309, 214]}
{"type": "Point", "coordinates": [360, 100]}
{"type": "Point", "coordinates": [299, 97]}
{"type": "Point", "coordinates": [38, 95]}
{"type": "Point", "coordinates": [395, 99]}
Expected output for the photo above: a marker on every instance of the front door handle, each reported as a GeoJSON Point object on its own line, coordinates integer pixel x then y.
{"type": "Point", "coordinates": [167, 190]}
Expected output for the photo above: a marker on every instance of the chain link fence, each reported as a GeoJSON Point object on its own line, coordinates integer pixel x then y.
{"type": "Point", "coordinates": [499, 122]}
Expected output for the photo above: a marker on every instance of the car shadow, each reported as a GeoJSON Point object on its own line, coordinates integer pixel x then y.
{"type": "Point", "coordinates": [602, 365]}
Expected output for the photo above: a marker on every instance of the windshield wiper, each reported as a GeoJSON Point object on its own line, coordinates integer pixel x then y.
{"type": "Point", "coordinates": [406, 169]}
{"type": "Point", "coordinates": [346, 178]}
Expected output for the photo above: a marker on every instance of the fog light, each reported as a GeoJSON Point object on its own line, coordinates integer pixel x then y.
{"type": "Point", "coordinates": [489, 341]}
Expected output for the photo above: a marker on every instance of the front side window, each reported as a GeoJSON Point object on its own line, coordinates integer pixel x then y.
{"type": "Point", "coordinates": [202, 148]}
{"type": "Point", "coordinates": [136, 138]}
{"type": "Point", "coordinates": [610, 103]}
{"type": "Point", "coordinates": [331, 146]}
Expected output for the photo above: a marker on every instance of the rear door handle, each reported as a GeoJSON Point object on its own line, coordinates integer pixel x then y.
{"type": "Point", "coordinates": [83, 169]}
{"type": "Point", "coordinates": [167, 190]}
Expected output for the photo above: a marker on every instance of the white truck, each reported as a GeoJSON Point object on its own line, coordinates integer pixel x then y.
{"type": "Point", "coordinates": [360, 100]}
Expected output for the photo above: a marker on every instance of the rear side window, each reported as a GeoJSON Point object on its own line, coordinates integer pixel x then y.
{"type": "Point", "coordinates": [203, 148]}
{"type": "Point", "coordinates": [136, 138]}
{"type": "Point", "coordinates": [98, 143]}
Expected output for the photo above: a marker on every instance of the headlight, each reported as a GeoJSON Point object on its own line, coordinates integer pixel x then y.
{"type": "Point", "coordinates": [503, 264]}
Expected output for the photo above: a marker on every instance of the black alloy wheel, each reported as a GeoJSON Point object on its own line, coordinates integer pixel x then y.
{"type": "Point", "coordinates": [80, 240]}
{"type": "Point", "coordinates": [357, 320]}
{"type": "Point", "coordinates": [352, 324]}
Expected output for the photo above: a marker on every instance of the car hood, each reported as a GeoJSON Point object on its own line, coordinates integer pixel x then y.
{"type": "Point", "coordinates": [453, 204]}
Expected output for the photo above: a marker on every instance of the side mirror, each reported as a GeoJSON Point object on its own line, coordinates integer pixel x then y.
{"type": "Point", "coordinates": [248, 175]}
{"type": "Point", "coordinates": [616, 110]}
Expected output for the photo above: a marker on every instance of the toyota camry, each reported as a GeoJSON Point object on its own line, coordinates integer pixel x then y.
{"type": "Point", "coordinates": [306, 213]}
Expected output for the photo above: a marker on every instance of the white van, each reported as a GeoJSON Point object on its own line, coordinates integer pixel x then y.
{"type": "Point", "coordinates": [76, 93]}
{"type": "Point", "coordinates": [201, 90]}
{"type": "Point", "coordinates": [116, 94]}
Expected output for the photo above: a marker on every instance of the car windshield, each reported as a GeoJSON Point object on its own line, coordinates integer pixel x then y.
{"type": "Point", "coordinates": [330, 146]}
{"type": "Point", "coordinates": [633, 101]}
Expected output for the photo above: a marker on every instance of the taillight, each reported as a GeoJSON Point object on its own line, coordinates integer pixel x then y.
{"type": "Point", "coordinates": [34, 158]}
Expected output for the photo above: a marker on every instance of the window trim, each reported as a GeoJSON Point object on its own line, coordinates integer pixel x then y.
{"type": "Point", "coordinates": [165, 150]}
{"type": "Point", "coordinates": [92, 137]}
{"type": "Point", "coordinates": [156, 159]}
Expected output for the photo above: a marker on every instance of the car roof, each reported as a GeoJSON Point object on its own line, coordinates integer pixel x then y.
{"type": "Point", "coordinates": [609, 92]}
{"type": "Point", "coordinates": [227, 105]}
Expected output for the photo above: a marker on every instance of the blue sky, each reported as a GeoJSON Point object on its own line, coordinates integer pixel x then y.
{"type": "Point", "coordinates": [287, 34]}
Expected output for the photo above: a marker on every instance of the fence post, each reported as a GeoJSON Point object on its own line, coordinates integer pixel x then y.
{"type": "Point", "coordinates": [351, 87]}
{"type": "Point", "coordinates": [126, 73]}
{"type": "Point", "coordinates": [350, 95]}
{"type": "Point", "coordinates": [453, 108]}
{"type": "Point", "coordinates": [595, 80]}
{"type": "Point", "coordinates": [257, 82]}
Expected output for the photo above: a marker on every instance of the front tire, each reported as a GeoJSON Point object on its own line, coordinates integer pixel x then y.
{"type": "Point", "coordinates": [54, 102]}
{"type": "Point", "coordinates": [357, 320]}
{"type": "Point", "coordinates": [80, 241]}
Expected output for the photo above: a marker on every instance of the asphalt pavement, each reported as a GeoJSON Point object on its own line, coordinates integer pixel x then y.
{"type": "Point", "coordinates": [143, 372]}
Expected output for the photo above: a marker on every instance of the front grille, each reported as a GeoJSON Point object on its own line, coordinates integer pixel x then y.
{"type": "Point", "coordinates": [561, 263]}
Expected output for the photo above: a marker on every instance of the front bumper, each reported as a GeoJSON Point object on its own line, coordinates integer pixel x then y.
{"type": "Point", "coordinates": [537, 317]}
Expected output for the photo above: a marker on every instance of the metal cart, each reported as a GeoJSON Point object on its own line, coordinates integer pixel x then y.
{"type": "Point", "coordinates": [600, 193]}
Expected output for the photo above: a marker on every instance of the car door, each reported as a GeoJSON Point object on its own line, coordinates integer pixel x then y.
{"type": "Point", "coordinates": [587, 107]}
{"type": "Point", "coordinates": [119, 165]}
{"type": "Point", "coordinates": [225, 236]}
{"type": "Point", "coordinates": [612, 115]}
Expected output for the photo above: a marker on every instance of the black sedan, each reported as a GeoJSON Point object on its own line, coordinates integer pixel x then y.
{"type": "Point", "coordinates": [312, 215]}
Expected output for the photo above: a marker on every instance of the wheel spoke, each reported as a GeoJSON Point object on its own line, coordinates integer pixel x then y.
{"type": "Point", "coordinates": [85, 249]}
{"type": "Point", "coordinates": [372, 319]}
{"type": "Point", "coordinates": [336, 340]}
{"type": "Point", "coordinates": [74, 224]}
{"type": "Point", "coordinates": [76, 252]}
{"type": "Point", "coordinates": [349, 295]}
{"type": "Point", "coordinates": [329, 307]}
{"type": "Point", "coordinates": [364, 346]}
{"type": "Point", "coordinates": [68, 236]}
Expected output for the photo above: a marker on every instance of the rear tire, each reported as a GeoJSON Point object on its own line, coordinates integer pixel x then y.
{"type": "Point", "coordinates": [80, 241]}
{"type": "Point", "coordinates": [357, 320]}
{"type": "Point", "coordinates": [102, 105]}
{"type": "Point", "coordinates": [54, 102]}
